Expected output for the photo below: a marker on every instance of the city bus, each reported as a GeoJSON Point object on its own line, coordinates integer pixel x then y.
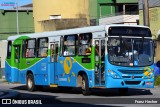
{"type": "Point", "coordinates": [107, 56]}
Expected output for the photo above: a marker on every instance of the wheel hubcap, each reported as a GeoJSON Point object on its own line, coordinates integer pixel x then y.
{"type": "Point", "coordinates": [83, 85]}
{"type": "Point", "coordinates": [29, 83]}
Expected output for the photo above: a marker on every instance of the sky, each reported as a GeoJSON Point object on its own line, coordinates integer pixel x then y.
{"type": "Point", "coordinates": [11, 2]}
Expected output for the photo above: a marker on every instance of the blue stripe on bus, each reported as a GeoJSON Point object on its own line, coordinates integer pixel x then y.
{"type": "Point", "coordinates": [43, 75]}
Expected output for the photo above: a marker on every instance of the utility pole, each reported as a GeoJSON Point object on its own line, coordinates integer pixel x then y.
{"type": "Point", "coordinates": [145, 13]}
{"type": "Point", "coordinates": [17, 17]}
{"type": "Point", "coordinates": [124, 9]}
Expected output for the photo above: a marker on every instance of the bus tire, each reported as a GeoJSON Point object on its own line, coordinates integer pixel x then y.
{"type": "Point", "coordinates": [85, 85]}
{"type": "Point", "coordinates": [30, 82]}
{"type": "Point", "coordinates": [123, 91]}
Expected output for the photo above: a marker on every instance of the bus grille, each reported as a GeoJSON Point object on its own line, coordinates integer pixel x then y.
{"type": "Point", "coordinates": [131, 71]}
{"type": "Point", "coordinates": [132, 82]}
{"type": "Point", "coordinates": [131, 76]}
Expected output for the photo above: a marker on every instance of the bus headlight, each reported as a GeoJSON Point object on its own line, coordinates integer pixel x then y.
{"type": "Point", "coordinates": [113, 74]}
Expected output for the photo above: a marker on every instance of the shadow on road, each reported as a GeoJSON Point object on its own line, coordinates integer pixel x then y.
{"type": "Point", "coordinates": [50, 100]}
{"type": "Point", "coordinates": [95, 92]}
{"type": "Point", "coordinates": [115, 92]}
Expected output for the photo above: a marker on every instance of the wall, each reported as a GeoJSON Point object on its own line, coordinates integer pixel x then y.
{"type": "Point", "coordinates": [68, 9]}
{"type": "Point", "coordinates": [105, 8]}
{"type": "Point", "coordinates": [8, 23]}
{"type": "Point", "coordinates": [93, 12]}
{"type": "Point", "coordinates": [126, 1]}
{"type": "Point", "coordinates": [3, 52]}
{"type": "Point", "coordinates": [154, 18]}
{"type": "Point", "coordinates": [109, 8]}
{"type": "Point", "coordinates": [157, 52]}
{"type": "Point", "coordinates": [121, 19]}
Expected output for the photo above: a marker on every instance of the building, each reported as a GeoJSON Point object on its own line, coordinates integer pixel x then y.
{"type": "Point", "coordinates": [154, 15]}
{"type": "Point", "coordinates": [52, 15]}
{"type": "Point", "coordinates": [59, 14]}
{"type": "Point", "coordinates": [3, 53]}
{"type": "Point", "coordinates": [8, 27]}
{"type": "Point", "coordinates": [117, 11]}
{"type": "Point", "coordinates": [154, 22]}
{"type": "Point", "coordinates": [8, 21]}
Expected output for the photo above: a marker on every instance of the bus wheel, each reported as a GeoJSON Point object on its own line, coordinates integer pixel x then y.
{"type": "Point", "coordinates": [30, 82]}
{"type": "Point", "coordinates": [85, 85]}
{"type": "Point", "coordinates": [123, 91]}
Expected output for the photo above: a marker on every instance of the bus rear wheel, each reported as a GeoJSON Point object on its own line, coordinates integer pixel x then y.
{"type": "Point", "coordinates": [30, 82]}
{"type": "Point", "coordinates": [85, 86]}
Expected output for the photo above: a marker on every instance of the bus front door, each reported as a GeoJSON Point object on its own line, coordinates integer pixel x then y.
{"type": "Point", "coordinates": [53, 62]}
{"type": "Point", "coordinates": [16, 77]}
{"type": "Point", "coordinates": [99, 62]}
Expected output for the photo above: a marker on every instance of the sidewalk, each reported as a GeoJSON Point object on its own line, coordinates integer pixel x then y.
{"type": "Point", "coordinates": [3, 81]}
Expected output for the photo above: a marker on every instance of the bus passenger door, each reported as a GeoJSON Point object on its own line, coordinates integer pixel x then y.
{"type": "Point", "coordinates": [53, 62]}
{"type": "Point", "coordinates": [99, 61]}
{"type": "Point", "coordinates": [16, 74]}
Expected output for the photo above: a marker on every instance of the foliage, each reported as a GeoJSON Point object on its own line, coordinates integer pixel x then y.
{"type": "Point", "coordinates": [157, 81]}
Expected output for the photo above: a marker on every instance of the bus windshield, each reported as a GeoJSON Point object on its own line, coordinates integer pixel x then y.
{"type": "Point", "coordinates": [130, 52]}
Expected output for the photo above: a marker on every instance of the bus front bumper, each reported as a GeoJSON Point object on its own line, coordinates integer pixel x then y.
{"type": "Point", "coordinates": [129, 83]}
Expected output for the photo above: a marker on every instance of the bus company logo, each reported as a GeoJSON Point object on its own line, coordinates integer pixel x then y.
{"type": "Point", "coordinates": [67, 65]}
{"type": "Point", "coordinates": [6, 101]}
{"type": "Point", "coordinates": [147, 71]}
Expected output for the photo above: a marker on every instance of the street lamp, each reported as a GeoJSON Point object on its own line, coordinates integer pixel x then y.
{"type": "Point", "coordinates": [17, 17]}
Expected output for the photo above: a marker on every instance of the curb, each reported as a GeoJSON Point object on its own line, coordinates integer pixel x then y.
{"type": "Point", "coordinates": [3, 81]}
{"type": "Point", "coordinates": [8, 94]}
{"type": "Point", "coordinates": [157, 86]}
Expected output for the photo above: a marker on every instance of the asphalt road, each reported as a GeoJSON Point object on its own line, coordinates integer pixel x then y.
{"type": "Point", "coordinates": [101, 97]}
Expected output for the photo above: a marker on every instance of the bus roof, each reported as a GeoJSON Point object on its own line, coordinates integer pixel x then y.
{"type": "Point", "coordinates": [71, 31]}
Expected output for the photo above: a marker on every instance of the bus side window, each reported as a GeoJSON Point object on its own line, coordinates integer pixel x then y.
{"type": "Point", "coordinates": [52, 52]}
{"type": "Point", "coordinates": [42, 47]}
{"type": "Point", "coordinates": [24, 46]}
{"type": "Point", "coordinates": [30, 48]}
{"type": "Point", "coordinates": [70, 45]}
{"type": "Point", "coordinates": [9, 48]}
{"type": "Point", "coordinates": [17, 53]}
{"type": "Point", "coordinates": [61, 46]}
{"type": "Point", "coordinates": [85, 42]}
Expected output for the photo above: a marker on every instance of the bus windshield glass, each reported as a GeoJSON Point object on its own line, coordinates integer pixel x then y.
{"type": "Point", "coordinates": [130, 52]}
